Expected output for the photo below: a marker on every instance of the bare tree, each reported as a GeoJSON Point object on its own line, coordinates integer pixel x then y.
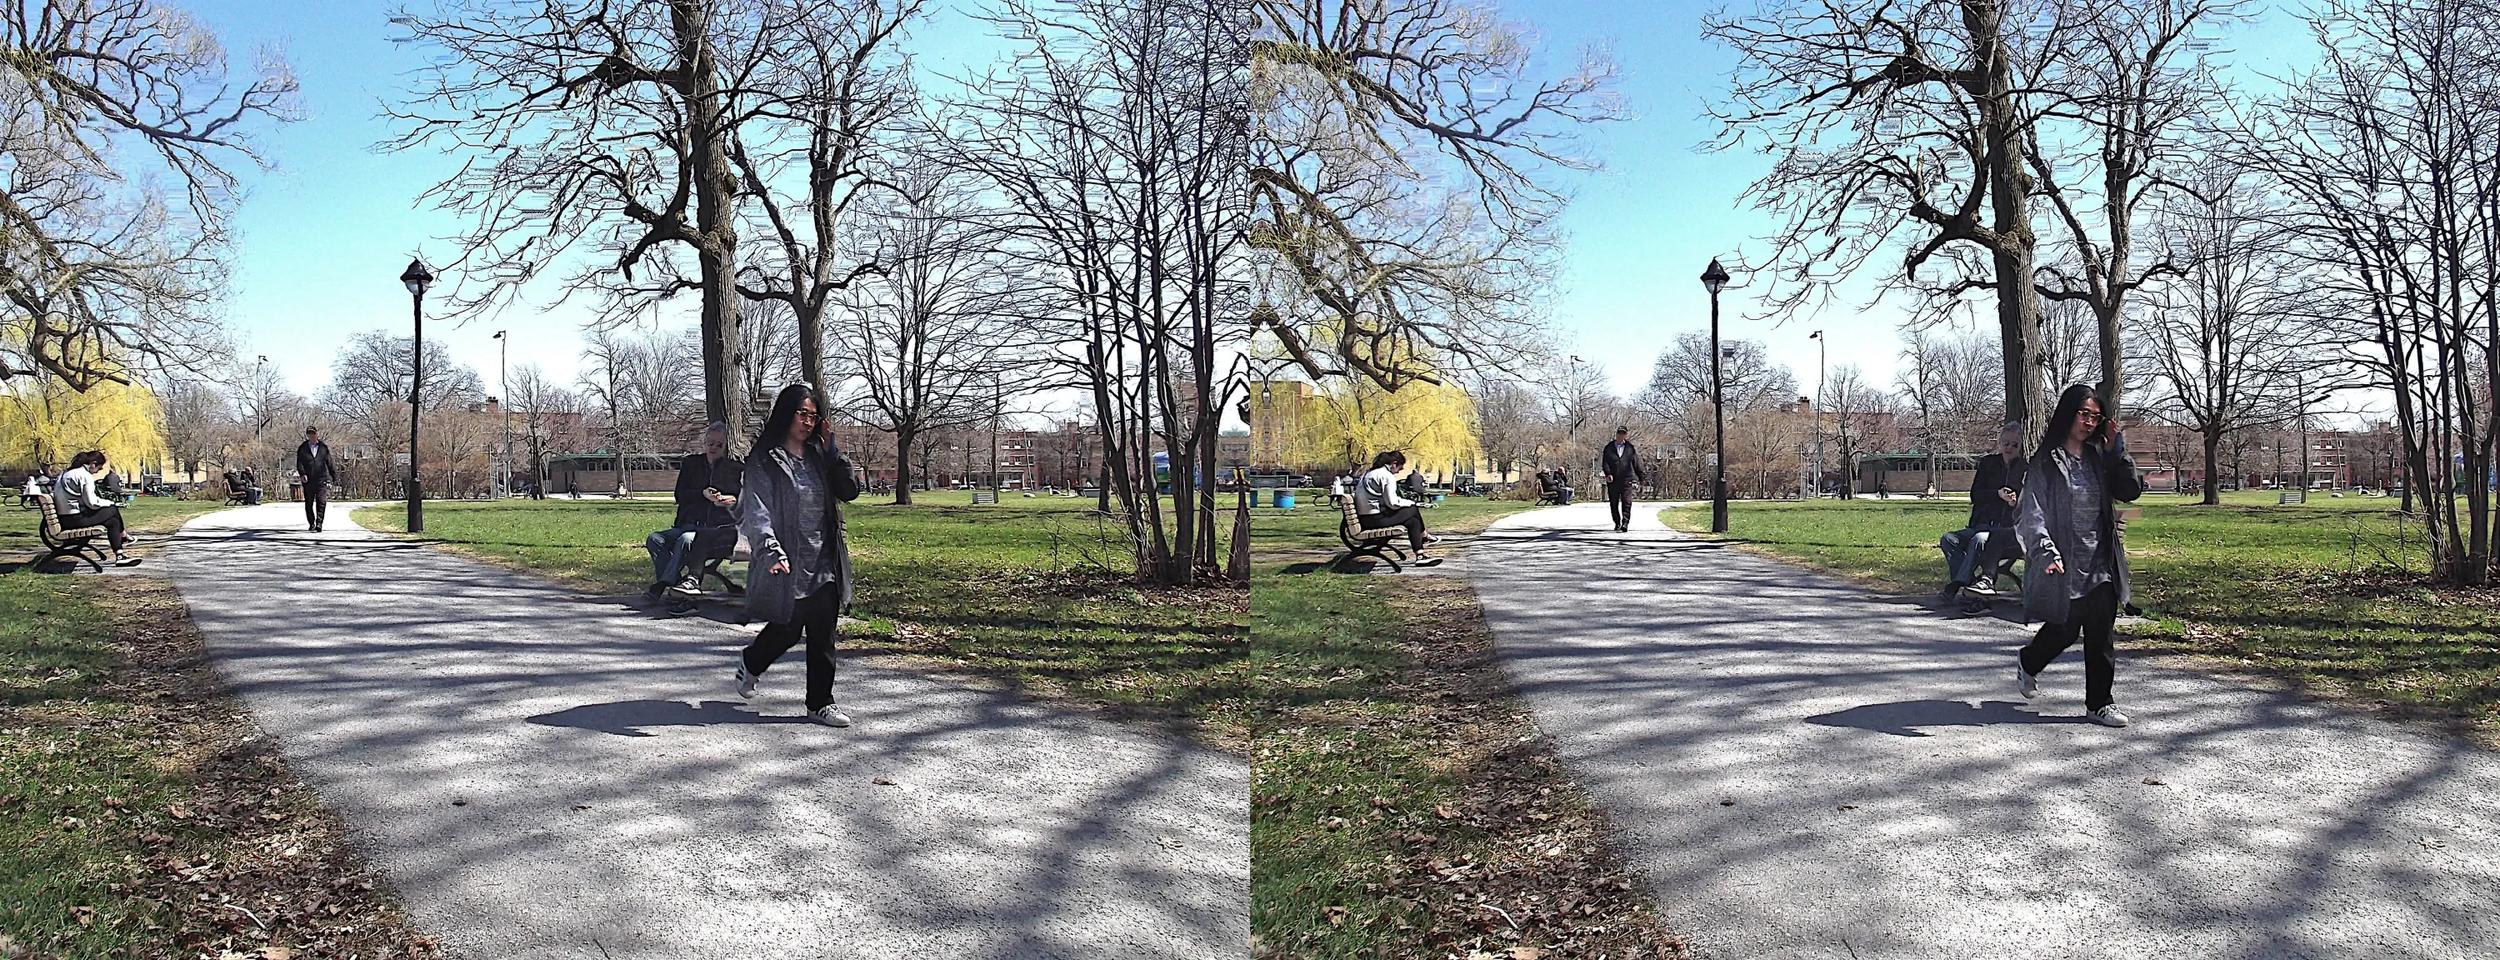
{"type": "Point", "coordinates": [930, 337]}
{"type": "Point", "coordinates": [2130, 88]}
{"type": "Point", "coordinates": [1890, 114]}
{"type": "Point", "coordinates": [1114, 144]}
{"type": "Point", "coordinates": [1398, 183]}
{"type": "Point", "coordinates": [2228, 341]}
{"type": "Point", "coordinates": [369, 391]}
{"type": "Point", "coordinates": [2388, 160]}
{"type": "Point", "coordinates": [1854, 402]}
{"type": "Point", "coordinates": [1752, 379]}
{"type": "Point", "coordinates": [827, 89]}
{"type": "Point", "coordinates": [606, 380]}
{"type": "Point", "coordinates": [105, 275]}
{"type": "Point", "coordinates": [602, 124]}
{"type": "Point", "coordinates": [551, 419]}
{"type": "Point", "coordinates": [198, 420]}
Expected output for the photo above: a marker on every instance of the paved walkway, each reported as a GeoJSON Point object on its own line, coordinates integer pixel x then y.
{"type": "Point", "coordinates": [547, 775]}
{"type": "Point", "coordinates": [1807, 770]}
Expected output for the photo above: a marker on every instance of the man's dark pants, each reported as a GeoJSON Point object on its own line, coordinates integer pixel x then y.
{"type": "Point", "coordinates": [110, 518]}
{"type": "Point", "coordinates": [316, 504]}
{"type": "Point", "coordinates": [813, 620]}
{"type": "Point", "coordinates": [2091, 617]}
{"type": "Point", "coordinates": [1619, 502]}
{"type": "Point", "coordinates": [1407, 516]}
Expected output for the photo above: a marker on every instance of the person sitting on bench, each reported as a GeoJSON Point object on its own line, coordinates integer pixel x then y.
{"type": "Point", "coordinates": [1971, 554]}
{"type": "Point", "coordinates": [707, 489]}
{"type": "Point", "coordinates": [74, 495]}
{"type": "Point", "coordinates": [1377, 504]}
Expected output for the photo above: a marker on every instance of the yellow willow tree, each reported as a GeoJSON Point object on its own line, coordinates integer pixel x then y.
{"type": "Point", "coordinates": [1350, 419]}
{"type": "Point", "coordinates": [44, 421]}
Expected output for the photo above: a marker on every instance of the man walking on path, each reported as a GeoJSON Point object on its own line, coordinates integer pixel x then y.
{"type": "Point", "coordinates": [1621, 466]}
{"type": "Point", "coordinates": [313, 463]}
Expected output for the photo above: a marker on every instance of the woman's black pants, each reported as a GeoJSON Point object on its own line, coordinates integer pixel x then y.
{"type": "Point", "coordinates": [813, 619]}
{"type": "Point", "coordinates": [2090, 617]}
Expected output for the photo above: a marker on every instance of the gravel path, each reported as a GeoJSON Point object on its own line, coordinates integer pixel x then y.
{"type": "Point", "coordinates": [544, 774]}
{"type": "Point", "coordinates": [1805, 769]}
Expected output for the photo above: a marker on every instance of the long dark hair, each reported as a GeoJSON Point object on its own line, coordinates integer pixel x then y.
{"type": "Point", "coordinates": [785, 412]}
{"type": "Point", "coordinates": [1388, 458]}
{"type": "Point", "coordinates": [2062, 422]}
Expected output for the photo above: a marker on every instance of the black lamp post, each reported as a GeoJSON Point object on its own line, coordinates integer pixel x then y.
{"type": "Point", "coordinates": [1715, 279]}
{"type": "Point", "coordinates": [417, 278]}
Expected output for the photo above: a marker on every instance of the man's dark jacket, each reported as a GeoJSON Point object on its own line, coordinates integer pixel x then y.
{"type": "Point", "coordinates": [697, 472]}
{"type": "Point", "coordinates": [1625, 467]}
{"type": "Point", "coordinates": [315, 466]}
{"type": "Point", "coordinates": [1987, 510]}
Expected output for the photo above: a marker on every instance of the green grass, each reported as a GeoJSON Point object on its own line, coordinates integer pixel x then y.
{"type": "Point", "coordinates": [66, 747]}
{"type": "Point", "coordinates": [1384, 738]}
{"type": "Point", "coordinates": [119, 757]}
{"type": "Point", "coordinates": [2330, 594]}
{"type": "Point", "coordinates": [1030, 591]}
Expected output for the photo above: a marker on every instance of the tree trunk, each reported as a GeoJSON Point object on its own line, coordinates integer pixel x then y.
{"type": "Point", "coordinates": [903, 436]}
{"type": "Point", "coordinates": [716, 238]}
{"type": "Point", "coordinates": [2015, 246]}
{"type": "Point", "coordinates": [2213, 467]}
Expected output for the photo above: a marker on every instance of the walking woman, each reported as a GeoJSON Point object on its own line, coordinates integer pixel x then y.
{"type": "Point", "coordinates": [791, 514]}
{"type": "Point", "coordinates": [2078, 567]}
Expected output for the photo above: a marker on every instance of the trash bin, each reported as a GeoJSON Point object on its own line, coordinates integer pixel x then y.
{"type": "Point", "coordinates": [1284, 499]}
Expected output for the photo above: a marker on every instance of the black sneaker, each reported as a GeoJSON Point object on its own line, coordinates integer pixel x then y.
{"type": "Point", "coordinates": [689, 587]}
{"type": "Point", "coordinates": [125, 560]}
{"type": "Point", "coordinates": [1428, 562]}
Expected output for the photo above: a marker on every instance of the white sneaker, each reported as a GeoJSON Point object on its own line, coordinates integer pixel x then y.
{"type": "Point", "coordinates": [2025, 682]}
{"type": "Point", "coordinates": [830, 717]}
{"type": "Point", "coordinates": [2108, 717]}
{"type": "Point", "coordinates": [746, 683]}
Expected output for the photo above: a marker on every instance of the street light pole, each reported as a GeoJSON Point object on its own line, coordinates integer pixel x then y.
{"type": "Point", "coordinates": [1821, 346]}
{"type": "Point", "coordinates": [416, 278]}
{"type": "Point", "coordinates": [503, 374]}
{"type": "Point", "coordinates": [1715, 279]}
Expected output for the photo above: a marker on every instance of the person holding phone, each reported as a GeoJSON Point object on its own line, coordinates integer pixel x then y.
{"type": "Point", "coordinates": [707, 490]}
{"type": "Point", "coordinates": [2068, 526]}
{"type": "Point", "coordinates": [1971, 553]}
{"type": "Point", "coordinates": [791, 514]}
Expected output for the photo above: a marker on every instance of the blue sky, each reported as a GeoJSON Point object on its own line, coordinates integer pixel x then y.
{"type": "Point", "coordinates": [1643, 228]}
{"type": "Point", "coordinates": [324, 235]}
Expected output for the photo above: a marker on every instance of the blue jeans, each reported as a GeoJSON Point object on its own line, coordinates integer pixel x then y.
{"type": "Point", "coordinates": [1966, 549]}
{"type": "Point", "coordinates": [668, 552]}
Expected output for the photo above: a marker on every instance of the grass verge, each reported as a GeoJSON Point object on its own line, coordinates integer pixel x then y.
{"type": "Point", "coordinates": [1402, 802]}
{"type": "Point", "coordinates": [1032, 594]}
{"type": "Point", "coordinates": [2326, 596]}
{"type": "Point", "coordinates": [141, 815]}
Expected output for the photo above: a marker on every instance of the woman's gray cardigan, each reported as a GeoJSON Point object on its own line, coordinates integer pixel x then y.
{"type": "Point", "coordinates": [774, 597]}
{"type": "Point", "coordinates": [2045, 527]}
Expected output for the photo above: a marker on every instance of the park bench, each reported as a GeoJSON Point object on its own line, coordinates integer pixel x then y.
{"type": "Point", "coordinates": [77, 543]}
{"type": "Point", "coordinates": [1377, 544]}
{"type": "Point", "coordinates": [980, 497]}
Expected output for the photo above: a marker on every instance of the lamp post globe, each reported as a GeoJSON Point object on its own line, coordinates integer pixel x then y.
{"type": "Point", "coordinates": [1714, 279]}
{"type": "Point", "coordinates": [416, 278]}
